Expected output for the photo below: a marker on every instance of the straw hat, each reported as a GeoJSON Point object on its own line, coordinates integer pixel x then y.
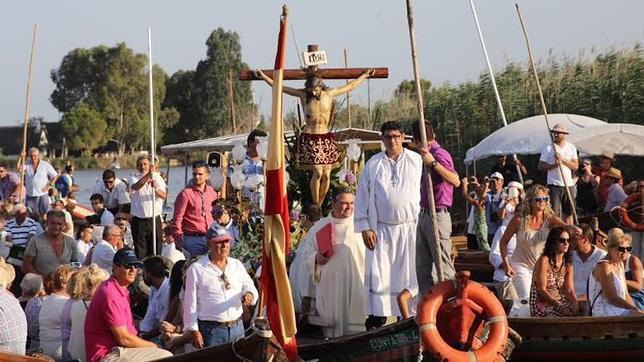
{"type": "Point", "coordinates": [7, 274]}
{"type": "Point", "coordinates": [608, 154]}
{"type": "Point", "coordinates": [614, 173]}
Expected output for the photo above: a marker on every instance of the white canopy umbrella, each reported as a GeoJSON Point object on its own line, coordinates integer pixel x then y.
{"type": "Point", "coordinates": [620, 138]}
{"type": "Point", "coordinates": [527, 136]}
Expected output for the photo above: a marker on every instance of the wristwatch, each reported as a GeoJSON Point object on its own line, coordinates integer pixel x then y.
{"type": "Point", "coordinates": [433, 164]}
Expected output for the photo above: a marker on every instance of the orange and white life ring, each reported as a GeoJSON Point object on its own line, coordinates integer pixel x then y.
{"type": "Point", "coordinates": [476, 297]}
{"type": "Point", "coordinates": [623, 213]}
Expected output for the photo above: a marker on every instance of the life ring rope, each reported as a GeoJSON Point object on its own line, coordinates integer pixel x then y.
{"type": "Point", "coordinates": [465, 292]}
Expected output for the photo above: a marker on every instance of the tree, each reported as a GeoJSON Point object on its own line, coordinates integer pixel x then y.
{"type": "Point", "coordinates": [114, 82]}
{"type": "Point", "coordinates": [210, 92]}
{"type": "Point", "coordinates": [84, 128]}
{"type": "Point", "coordinates": [179, 95]}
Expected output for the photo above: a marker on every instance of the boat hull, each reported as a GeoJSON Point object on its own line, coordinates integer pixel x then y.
{"type": "Point", "coordinates": [580, 339]}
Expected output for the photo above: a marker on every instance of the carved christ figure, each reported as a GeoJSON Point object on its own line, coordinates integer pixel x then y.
{"type": "Point", "coordinates": [317, 146]}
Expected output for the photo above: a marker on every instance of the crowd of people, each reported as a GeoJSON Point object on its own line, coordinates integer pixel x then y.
{"type": "Point", "coordinates": [74, 291]}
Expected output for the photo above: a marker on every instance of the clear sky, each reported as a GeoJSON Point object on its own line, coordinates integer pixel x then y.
{"type": "Point", "coordinates": [374, 32]}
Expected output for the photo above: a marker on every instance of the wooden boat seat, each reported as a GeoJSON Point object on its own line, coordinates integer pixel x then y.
{"type": "Point", "coordinates": [578, 328]}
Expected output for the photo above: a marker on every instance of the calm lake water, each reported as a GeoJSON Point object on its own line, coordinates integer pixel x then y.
{"type": "Point", "coordinates": [85, 179]}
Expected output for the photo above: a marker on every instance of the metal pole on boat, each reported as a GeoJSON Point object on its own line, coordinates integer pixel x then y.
{"type": "Point", "coordinates": [545, 112]}
{"type": "Point", "coordinates": [423, 136]}
{"type": "Point", "coordinates": [23, 154]}
{"type": "Point", "coordinates": [152, 143]}
{"type": "Point", "coordinates": [496, 90]}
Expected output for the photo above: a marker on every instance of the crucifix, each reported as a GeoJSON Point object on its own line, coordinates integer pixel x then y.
{"type": "Point", "coordinates": [317, 147]}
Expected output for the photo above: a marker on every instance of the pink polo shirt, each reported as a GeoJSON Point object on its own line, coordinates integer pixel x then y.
{"type": "Point", "coordinates": [193, 211]}
{"type": "Point", "coordinates": [110, 307]}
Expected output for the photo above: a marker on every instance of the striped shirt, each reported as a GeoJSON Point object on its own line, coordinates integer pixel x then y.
{"type": "Point", "coordinates": [20, 234]}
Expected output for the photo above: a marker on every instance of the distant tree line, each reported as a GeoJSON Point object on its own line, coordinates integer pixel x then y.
{"type": "Point", "coordinates": [609, 87]}
{"type": "Point", "coordinates": [102, 93]}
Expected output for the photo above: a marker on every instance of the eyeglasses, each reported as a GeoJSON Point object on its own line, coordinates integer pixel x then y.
{"type": "Point", "coordinates": [224, 279]}
{"type": "Point", "coordinates": [541, 199]}
{"type": "Point", "coordinates": [624, 249]}
{"type": "Point", "coordinates": [564, 240]}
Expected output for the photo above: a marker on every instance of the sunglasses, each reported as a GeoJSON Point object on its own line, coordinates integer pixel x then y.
{"type": "Point", "coordinates": [120, 218]}
{"type": "Point", "coordinates": [224, 279]}
{"type": "Point", "coordinates": [624, 249]}
{"type": "Point", "coordinates": [542, 198]}
{"type": "Point", "coordinates": [218, 212]}
{"type": "Point", "coordinates": [132, 266]}
{"type": "Point", "coordinates": [108, 182]}
{"type": "Point", "coordinates": [564, 240]}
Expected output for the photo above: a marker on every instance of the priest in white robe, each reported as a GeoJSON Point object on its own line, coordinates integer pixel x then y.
{"type": "Point", "coordinates": [334, 255]}
{"type": "Point", "coordinates": [387, 207]}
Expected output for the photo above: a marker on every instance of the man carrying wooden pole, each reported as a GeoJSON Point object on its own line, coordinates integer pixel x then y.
{"type": "Point", "coordinates": [434, 244]}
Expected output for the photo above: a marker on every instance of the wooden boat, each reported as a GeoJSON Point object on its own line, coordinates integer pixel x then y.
{"type": "Point", "coordinates": [556, 339]}
{"type": "Point", "coordinates": [580, 339]}
{"type": "Point", "coordinates": [477, 263]}
{"type": "Point", "coordinates": [259, 346]}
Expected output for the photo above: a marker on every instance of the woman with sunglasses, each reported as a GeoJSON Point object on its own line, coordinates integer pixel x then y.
{"type": "Point", "coordinates": [607, 289]}
{"type": "Point", "coordinates": [531, 225]}
{"type": "Point", "coordinates": [553, 293]}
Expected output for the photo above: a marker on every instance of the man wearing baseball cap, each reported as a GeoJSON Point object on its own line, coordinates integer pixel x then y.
{"type": "Point", "coordinates": [110, 334]}
{"type": "Point", "coordinates": [564, 154]}
{"type": "Point", "coordinates": [494, 198]}
{"type": "Point", "coordinates": [217, 289]}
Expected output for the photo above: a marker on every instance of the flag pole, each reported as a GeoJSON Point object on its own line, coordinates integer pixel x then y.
{"type": "Point", "coordinates": [152, 143]}
{"type": "Point", "coordinates": [23, 154]}
{"type": "Point", "coordinates": [494, 86]}
{"type": "Point", "coordinates": [423, 137]}
{"type": "Point", "coordinates": [545, 112]}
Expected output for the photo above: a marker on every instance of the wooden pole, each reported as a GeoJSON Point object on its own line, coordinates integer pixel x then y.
{"type": "Point", "coordinates": [231, 99]}
{"type": "Point", "coordinates": [152, 143]}
{"type": "Point", "coordinates": [545, 112]}
{"type": "Point", "coordinates": [23, 154]}
{"type": "Point", "coordinates": [492, 78]}
{"type": "Point", "coordinates": [346, 65]}
{"type": "Point", "coordinates": [423, 136]}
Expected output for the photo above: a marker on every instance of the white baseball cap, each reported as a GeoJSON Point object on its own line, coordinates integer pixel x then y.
{"type": "Point", "coordinates": [497, 175]}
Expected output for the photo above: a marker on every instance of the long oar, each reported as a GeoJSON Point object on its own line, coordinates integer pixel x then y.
{"type": "Point", "coordinates": [423, 137]}
{"type": "Point", "coordinates": [152, 143]}
{"type": "Point", "coordinates": [23, 154]}
{"type": "Point", "coordinates": [496, 90]}
{"type": "Point", "coordinates": [545, 113]}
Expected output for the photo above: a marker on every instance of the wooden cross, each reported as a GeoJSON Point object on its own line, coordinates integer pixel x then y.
{"type": "Point", "coordinates": [324, 73]}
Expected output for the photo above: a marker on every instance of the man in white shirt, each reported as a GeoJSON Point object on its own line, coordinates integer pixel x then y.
{"type": "Point", "coordinates": [386, 213]}
{"type": "Point", "coordinates": [217, 288]}
{"type": "Point", "coordinates": [565, 155]}
{"type": "Point", "coordinates": [105, 216]}
{"type": "Point", "coordinates": [103, 252]}
{"type": "Point", "coordinates": [40, 177]}
{"type": "Point", "coordinates": [584, 258]}
{"type": "Point", "coordinates": [158, 303]}
{"type": "Point", "coordinates": [148, 190]}
{"type": "Point", "coordinates": [114, 192]}
{"type": "Point", "coordinates": [616, 194]}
